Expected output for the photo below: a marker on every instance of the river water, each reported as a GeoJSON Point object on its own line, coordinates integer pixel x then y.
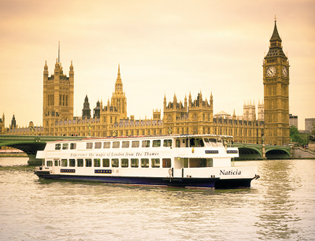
{"type": "Point", "coordinates": [279, 205]}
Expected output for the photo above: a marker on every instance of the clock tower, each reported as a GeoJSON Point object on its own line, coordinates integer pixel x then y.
{"type": "Point", "coordinates": [276, 92]}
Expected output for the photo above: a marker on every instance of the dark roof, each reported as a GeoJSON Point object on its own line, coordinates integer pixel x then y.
{"type": "Point", "coordinates": [275, 35]}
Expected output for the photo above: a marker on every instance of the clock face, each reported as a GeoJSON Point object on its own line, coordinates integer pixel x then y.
{"type": "Point", "coordinates": [285, 71]}
{"type": "Point", "coordinates": [271, 71]}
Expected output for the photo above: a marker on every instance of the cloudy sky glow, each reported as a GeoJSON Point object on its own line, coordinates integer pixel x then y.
{"type": "Point", "coordinates": [163, 47]}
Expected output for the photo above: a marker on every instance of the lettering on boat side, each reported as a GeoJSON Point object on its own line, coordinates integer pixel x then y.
{"type": "Point", "coordinates": [103, 171]}
{"type": "Point", "coordinates": [212, 151]}
{"type": "Point", "coordinates": [230, 172]}
{"type": "Point", "coordinates": [115, 154]}
{"type": "Point", "coordinates": [67, 170]}
{"type": "Point", "coordinates": [231, 151]}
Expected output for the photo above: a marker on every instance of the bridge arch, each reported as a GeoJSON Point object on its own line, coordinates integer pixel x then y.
{"type": "Point", "coordinates": [277, 153]}
{"type": "Point", "coordinates": [249, 153]}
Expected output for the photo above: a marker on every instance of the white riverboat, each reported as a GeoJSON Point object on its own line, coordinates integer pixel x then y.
{"type": "Point", "coordinates": [192, 161]}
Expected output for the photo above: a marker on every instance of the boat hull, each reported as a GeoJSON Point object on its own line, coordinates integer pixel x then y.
{"type": "Point", "coordinates": [233, 183]}
{"type": "Point", "coordinates": [133, 180]}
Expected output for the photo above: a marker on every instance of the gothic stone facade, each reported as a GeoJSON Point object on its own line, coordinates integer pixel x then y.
{"type": "Point", "coordinates": [192, 116]}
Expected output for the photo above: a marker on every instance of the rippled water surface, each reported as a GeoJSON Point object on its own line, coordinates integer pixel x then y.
{"type": "Point", "coordinates": [280, 205]}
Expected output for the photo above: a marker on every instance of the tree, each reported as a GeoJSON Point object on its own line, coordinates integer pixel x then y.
{"type": "Point", "coordinates": [295, 136]}
{"type": "Point", "coordinates": [294, 131]}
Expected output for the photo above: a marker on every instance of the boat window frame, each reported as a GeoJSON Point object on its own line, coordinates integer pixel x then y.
{"type": "Point", "coordinates": [167, 143]}
{"type": "Point", "coordinates": [49, 163]}
{"type": "Point", "coordinates": [65, 146]}
{"type": "Point", "coordinates": [73, 146]}
{"type": "Point", "coordinates": [106, 145]}
{"type": "Point", "coordinates": [64, 162]}
{"type": "Point", "coordinates": [123, 163]}
{"type": "Point", "coordinates": [115, 161]}
{"type": "Point", "coordinates": [98, 145]}
{"type": "Point", "coordinates": [125, 144]}
{"type": "Point", "coordinates": [166, 162]}
{"type": "Point", "coordinates": [145, 162]}
{"type": "Point", "coordinates": [72, 162]}
{"type": "Point", "coordinates": [115, 144]}
{"type": "Point", "coordinates": [104, 162]}
{"type": "Point", "coordinates": [89, 145]}
{"type": "Point", "coordinates": [132, 165]}
{"type": "Point", "coordinates": [80, 162]}
{"type": "Point", "coordinates": [56, 162]}
{"type": "Point", "coordinates": [156, 143]}
{"type": "Point", "coordinates": [58, 146]}
{"type": "Point", "coordinates": [97, 162]}
{"type": "Point", "coordinates": [88, 162]}
{"type": "Point", "coordinates": [135, 144]}
{"type": "Point", "coordinates": [145, 143]}
{"type": "Point", "coordinates": [153, 163]}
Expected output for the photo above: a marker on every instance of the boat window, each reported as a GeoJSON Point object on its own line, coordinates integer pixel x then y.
{"type": "Point", "coordinates": [105, 162]}
{"type": "Point", "coordinates": [89, 145]}
{"type": "Point", "coordinates": [88, 162]}
{"type": "Point", "coordinates": [80, 163]}
{"type": "Point", "coordinates": [166, 162]}
{"type": "Point", "coordinates": [116, 144]}
{"type": "Point", "coordinates": [97, 162]}
{"type": "Point", "coordinates": [115, 162]}
{"type": "Point", "coordinates": [57, 162]}
{"type": "Point", "coordinates": [156, 143]}
{"type": "Point", "coordinates": [125, 144]}
{"type": "Point", "coordinates": [213, 140]}
{"type": "Point", "coordinates": [146, 143]}
{"type": "Point", "coordinates": [106, 145]}
{"type": "Point", "coordinates": [199, 142]}
{"type": "Point", "coordinates": [135, 144]}
{"type": "Point", "coordinates": [98, 145]}
{"type": "Point", "coordinates": [124, 162]}
{"type": "Point", "coordinates": [144, 162]}
{"type": "Point", "coordinates": [65, 146]}
{"type": "Point", "coordinates": [64, 162]}
{"type": "Point", "coordinates": [206, 140]}
{"type": "Point", "coordinates": [73, 146]}
{"type": "Point", "coordinates": [134, 162]}
{"type": "Point", "coordinates": [167, 143]}
{"type": "Point", "coordinates": [49, 163]}
{"type": "Point", "coordinates": [177, 143]}
{"type": "Point", "coordinates": [201, 162]}
{"type": "Point", "coordinates": [155, 162]}
{"type": "Point", "coordinates": [71, 162]}
{"type": "Point", "coordinates": [58, 146]}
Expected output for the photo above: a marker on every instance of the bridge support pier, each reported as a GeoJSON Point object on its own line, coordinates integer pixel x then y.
{"type": "Point", "coordinates": [32, 161]}
{"type": "Point", "coordinates": [263, 151]}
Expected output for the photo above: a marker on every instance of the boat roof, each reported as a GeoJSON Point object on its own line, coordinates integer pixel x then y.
{"type": "Point", "coordinates": [171, 136]}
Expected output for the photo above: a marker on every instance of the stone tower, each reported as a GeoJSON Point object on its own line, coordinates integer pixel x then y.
{"type": "Point", "coordinates": [119, 100]}
{"type": "Point", "coordinates": [86, 111]}
{"type": "Point", "coordinates": [58, 95]}
{"type": "Point", "coordinates": [276, 92]}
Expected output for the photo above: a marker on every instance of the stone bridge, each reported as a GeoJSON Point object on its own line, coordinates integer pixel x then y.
{"type": "Point", "coordinates": [258, 151]}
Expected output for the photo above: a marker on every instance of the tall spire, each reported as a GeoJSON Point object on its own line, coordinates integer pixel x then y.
{"type": "Point", "coordinates": [275, 47]}
{"type": "Point", "coordinates": [59, 52]}
{"type": "Point", "coordinates": [275, 35]}
{"type": "Point", "coordinates": [118, 84]}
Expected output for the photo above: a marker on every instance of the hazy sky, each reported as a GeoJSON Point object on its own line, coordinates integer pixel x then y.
{"type": "Point", "coordinates": [163, 47]}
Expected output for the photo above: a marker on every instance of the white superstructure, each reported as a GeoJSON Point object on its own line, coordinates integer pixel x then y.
{"type": "Point", "coordinates": [177, 160]}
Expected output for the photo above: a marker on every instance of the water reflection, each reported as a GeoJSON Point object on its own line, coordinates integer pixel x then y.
{"type": "Point", "coordinates": [277, 212]}
{"type": "Point", "coordinates": [280, 205]}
